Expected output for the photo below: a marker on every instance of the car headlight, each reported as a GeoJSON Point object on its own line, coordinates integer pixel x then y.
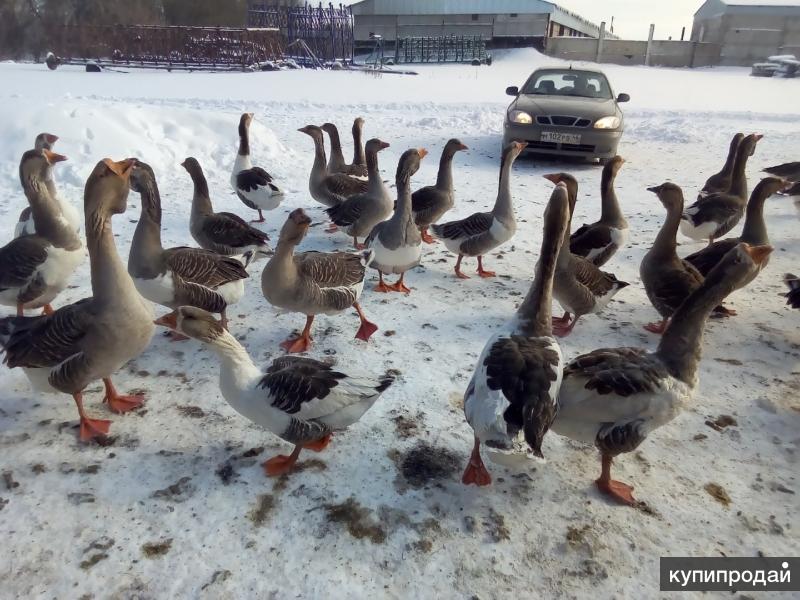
{"type": "Point", "coordinates": [611, 122]}
{"type": "Point", "coordinates": [520, 116]}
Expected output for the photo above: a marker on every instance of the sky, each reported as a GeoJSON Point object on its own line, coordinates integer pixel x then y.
{"type": "Point", "coordinates": [632, 18]}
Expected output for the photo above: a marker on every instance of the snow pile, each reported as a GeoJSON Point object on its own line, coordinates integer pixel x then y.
{"type": "Point", "coordinates": [178, 506]}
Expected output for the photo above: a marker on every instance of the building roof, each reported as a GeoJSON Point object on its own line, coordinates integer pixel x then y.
{"type": "Point", "coordinates": [476, 7]}
{"type": "Point", "coordinates": [713, 8]}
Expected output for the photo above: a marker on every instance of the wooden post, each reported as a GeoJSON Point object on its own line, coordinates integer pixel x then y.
{"type": "Point", "coordinates": [600, 41]}
{"type": "Point", "coordinates": [649, 45]}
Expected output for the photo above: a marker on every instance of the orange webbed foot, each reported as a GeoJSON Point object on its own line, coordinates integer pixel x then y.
{"type": "Point", "coordinates": [366, 330]}
{"type": "Point", "coordinates": [319, 445]}
{"type": "Point", "coordinates": [658, 327]}
{"type": "Point", "coordinates": [123, 404]}
{"type": "Point", "coordinates": [92, 429]}
{"type": "Point", "coordinates": [296, 345]}
{"type": "Point", "coordinates": [621, 492]}
{"type": "Point", "coordinates": [332, 228]}
{"type": "Point", "coordinates": [477, 474]}
{"type": "Point", "coordinates": [486, 274]}
{"type": "Point", "coordinates": [427, 238]}
{"type": "Point", "coordinates": [383, 288]}
{"type": "Point", "coordinates": [279, 465]}
{"type": "Point", "coordinates": [400, 287]}
{"type": "Point", "coordinates": [462, 275]}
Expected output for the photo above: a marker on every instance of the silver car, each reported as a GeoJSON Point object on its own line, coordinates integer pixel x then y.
{"type": "Point", "coordinates": [566, 112]}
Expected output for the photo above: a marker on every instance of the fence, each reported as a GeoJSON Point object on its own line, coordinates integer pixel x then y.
{"type": "Point", "coordinates": [445, 48]}
{"type": "Point", "coordinates": [326, 31]}
{"type": "Point", "coordinates": [167, 47]}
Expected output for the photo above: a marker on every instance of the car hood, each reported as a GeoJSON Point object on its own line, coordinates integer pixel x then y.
{"type": "Point", "coordinates": [589, 108]}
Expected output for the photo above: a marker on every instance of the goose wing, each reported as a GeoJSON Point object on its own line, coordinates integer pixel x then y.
{"type": "Point", "coordinates": [19, 260]}
{"type": "Point", "coordinates": [588, 238]}
{"type": "Point", "coordinates": [344, 185]}
{"type": "Point", "coordinates": [704, 260]}
{"type": "Point", "coordinates": [349, 211]}
{"type": "Point", "coordinates": [231, 230]}
{"type": "Point", "coordinates": [588, 274]}
{"type": "Point", "coordinates": [473, 225]}
{"type": "Point", "coordinates": [203, 267]}
{"type": "Point", "coordinates": [332, 269]}
{"type": "Point", "coordinates": [789, 170]}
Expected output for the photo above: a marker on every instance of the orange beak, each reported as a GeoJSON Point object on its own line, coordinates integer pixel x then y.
{"type": "Point", "coordinates": [759, 137]}
{"type": "Point", "coordinates": [759, 254]}
{"type": "Point", "coordinates": [169, 320]}
{"type": "Point", "coordinates": [554, 177]}
{"type": "Point", "coordinates": [121, 167]}
{"type": "Point", "coordinates": [520, 146]}
{"type": "Point", "coordinates": [53, 157]}
{"type": "Point", "coordinates": [422, 152]}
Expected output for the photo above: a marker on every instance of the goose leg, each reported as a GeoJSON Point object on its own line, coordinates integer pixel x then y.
{"type": "Point", "coordinates": [281, 464]}
{"type": "Point", "coordinates": [320, 444]}
{"type": "Point", "coordinates": [382, 287]}
{"type": "Point", "coordinates": [47, 310]}
{"type": "Point", "coordinates": [20, 310]}
{"type": "Point", "coordinates": [657, 327]}
{"type": "Point", "coordinates": [302, 343]}
{"type": "Point", "coordinates": [91, 429]}
{"type": "Point", "coordinates": [565, 330]}
{"type": "Point", "coordinates": [621, 492]}
{"type": "Point", "coordinates": [476, 471]}
{"type": "Point", "coordinates": [723, 312]}
{"type": "Point", "coordinates": [459, 274]}
{"type": "Point", "coordinates": [120, 404]}
{"type": "Point", "coordinates": [427, 237]}
{"type": "Point", "coordinates": [561, 320]}
{"type": "Point", "coordinates": [483, 273]}
{"type": "Point", "coordinates": [332, 228]}
{"type": "Point", "coordinates": [367, 328]}
{"type": "Point", "coordinates": [399, 286]}
{"type": "Point", "coordinates": [260, 218]}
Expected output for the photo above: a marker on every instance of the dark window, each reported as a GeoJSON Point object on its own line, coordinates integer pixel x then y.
{"type": "Point", "coordinates": [560, 30]}
{"type": "Point", "coordinates": [513, 15]}
{"type": "Point", "coordinates": [474, 17]}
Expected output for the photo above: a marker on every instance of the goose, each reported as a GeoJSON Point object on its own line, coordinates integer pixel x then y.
{"type": "Point", "coordinates": [396, 243]}
{"type": "Point", "coordinates": [328, 188]}
{"type": "Point", "coordinates": [668, 279]}
{"type": "Point", "coordinates": [754, 231]}
{"type": "Point", "coordinates": [431, 202]}
{"type": "Point", "coordinates": [360, 213]}
{"type": "Point", "coordinates": [223, 232]}
{"type": "Point", "coordinates": [599, 241]}
{"type": "Point", "coordinates": [790, 171]}
{"type": "Point", "coordinates": [580, 287]}
{"type": "Point", "coordinates": [336, 163]}
{"type": "Point", "coordinates": [25, 226]}
{"type": "Point", "coordinates": [359, 157]}
{"type": "Point", "coordinates": [721, 182]}
{"type": "Point", "coordinates": [253, 185]}
{"type": "Point", "coordinates": [35, 268]}
{"type": "Point", "coordinates": [300, 400]}
{"type": "Point", "coordinates": [178, 276]}
{"type": "Point", "coordinates": [793, 295]}
{"type": "Point", "coordinates": [313, 283]}
{"type": "Point", "coordinates": [92, 338]}
{"type": "Point", "coordinates": [514, 388]}
{"type": "Point", "coordinates": [715, 215]}
{"type": "Point", "coordinates": [482, 232]}
{"type": "Point", "coordinates": [614, 398]}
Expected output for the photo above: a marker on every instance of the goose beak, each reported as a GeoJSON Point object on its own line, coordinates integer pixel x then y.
{"type": "Point", "coordinates": [519, 146]}
{"type": "Point", "coordinates": [758, 137]}
{"type": "Point", "coordinates": [463, 147]}
{"type": "Point", "coordinates": [655, 189]}
{"type": "Point", "coordinates": [53, 157]}
{"type": "Point", "coordinates": [300, 218]}
{"type": "Point", "coordinates": [422, 152]}
{"type": "Point", "coordinates": [553, 177]}
{"type": "Point", "coordinates": [169, 320]}
{"type": "Point", "coordinates": [183, 164]}
{"type": "Point", "coordinates": [759, 254]}
{"type": "Point", "coordinates": [383, 145]}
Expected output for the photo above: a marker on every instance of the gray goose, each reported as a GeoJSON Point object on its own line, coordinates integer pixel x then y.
{"type": "Point", "coordinates": [359, 157]}
{"type": "Point", "coordinates": [668, 279]}
{"type": "Point", "coordinates": [396, 243]}
{"type": "Point", "coordinates": [514, 389]}
{"type": "Point", "coordinates": [614, 398]}
{"type": "Point", "coordinates": [35, 268]}
{"type": "Point", "coordinates": [327, 188]}
{"type": "Point", "coordinates": [336, 163]}
{"type": "Point", "coordinates": [721, 182]}
{"type": "Point", "coordinates": [431, 202]}
{"type": "Point", "coordinates": [94, 337]}
{"type": "Point", "coordinates": [580, 286]}
{"type": "Point", "coordinates": [599, 241]}
{"type": "Point", "coordinates": [715, 215]}
{"type": "Point", "coordinates": [754, 231]}
{"type": "Point", "coordinates": [482, 232]}
{"type": "Point", "coordinates": [313, 283]}
{"type": "Point", "coordinates": [301, 400]}
{"type": "Point", "coordinates": [253, 185]}
{"type": "Point", "coordinates": [790, 171]}
{"type": "Point", "coordinates": [25, 225]}
{"type": "Point", "coordinates": [178, 276]}
{"type": "Point", "coordinates": [360, 213]}
{"type": "Point", "coordinates": [223, 232]}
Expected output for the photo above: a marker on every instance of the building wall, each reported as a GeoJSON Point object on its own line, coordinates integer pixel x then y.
{"type": "Point", "coordinates": [634, 52]}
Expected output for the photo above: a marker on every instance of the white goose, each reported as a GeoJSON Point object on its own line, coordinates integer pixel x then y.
{"type": "Point", "coordinates": [301, 400]}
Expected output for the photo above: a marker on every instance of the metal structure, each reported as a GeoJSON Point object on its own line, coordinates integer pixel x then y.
{"type": "Point", "coordinates": [326, 31]}
{"type": "Point", "coordinates": [153, 46]}
{"type": "Point", "coordinates": [445, 48]}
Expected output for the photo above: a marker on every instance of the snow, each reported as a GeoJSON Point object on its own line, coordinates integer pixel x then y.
{"type": "Point", "coordinates": [354, 524]}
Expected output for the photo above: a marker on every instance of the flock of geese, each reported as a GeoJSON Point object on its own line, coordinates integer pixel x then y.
{"type": "Point", "coordinates": [521, 388]}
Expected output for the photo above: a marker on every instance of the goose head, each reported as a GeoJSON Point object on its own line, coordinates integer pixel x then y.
{"type": "Point", "coordinates": [37, 164]}
{"type": "Point", "coordinates": [615, 164]}
{"type": "Point", "coordinates": [671, 195]}
{"type": "Point", "coordinates": [410, 161]}
{"type": "Point", "coordinates": [195, 323]}
{"type": "Point", "coordinates": [738, 267]}
{"type": "Point", "coordinates": [45, 141]}
{"type": "Point", "coordinates": [375, 145]}
{"type": "Point", "coordinates": [295, 228]}
{"type": "Point", "coordinates": [454, 145]}
{"type": "Point", "coordinates": [313, 131]}
{"type": "Point", "coordinates": [106, 190]}
{"type": "Point", "coordinates": [330, 129]}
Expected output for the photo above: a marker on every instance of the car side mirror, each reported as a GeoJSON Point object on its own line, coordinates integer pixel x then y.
{"type": "Point", "coordinates": [623, 98]}
{"type": "Point", "coordinates": [512, 91]}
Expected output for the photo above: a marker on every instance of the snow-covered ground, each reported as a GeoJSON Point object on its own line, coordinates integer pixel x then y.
{"type": "Point", "coordinates": [177, 505]}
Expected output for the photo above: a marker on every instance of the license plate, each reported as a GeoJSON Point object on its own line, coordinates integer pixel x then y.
{"type": "Point", "coordinates": [560, 138]}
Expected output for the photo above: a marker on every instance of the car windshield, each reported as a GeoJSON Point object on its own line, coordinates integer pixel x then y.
{"type": "Point", "coordinates": [584, 84]}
